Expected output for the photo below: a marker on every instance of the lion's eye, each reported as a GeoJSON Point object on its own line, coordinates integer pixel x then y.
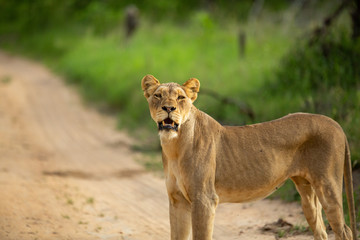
{"type": "Point", "coordinates": [181, 97]}
{"type": "Point", "coordinates": [157, 95]}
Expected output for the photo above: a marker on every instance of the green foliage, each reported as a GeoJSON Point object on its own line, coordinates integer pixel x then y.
{"type": "Point", "coordinates": [36, 15]}
{"type": "Point", "coordinates": [325, 65]}
{"type": "Point", "coordinates": [287, 192]}
{"type": "Point", "coordinates": [108, 69]}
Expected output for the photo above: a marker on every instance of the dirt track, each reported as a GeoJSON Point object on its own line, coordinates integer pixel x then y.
{"type": "Point", "coordinates": [66, 173]}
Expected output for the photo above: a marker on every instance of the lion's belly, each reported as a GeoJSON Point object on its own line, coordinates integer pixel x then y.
{"type": "Point", "coordinates": [249, 173]}
{"type": "Point", "coordinates": [246, 194]}
{"type": "Point", "coordinates": [251, 181]}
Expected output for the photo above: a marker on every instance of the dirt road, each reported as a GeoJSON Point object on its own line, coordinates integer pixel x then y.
{"type": "Point", "coordinates": [66, 173]}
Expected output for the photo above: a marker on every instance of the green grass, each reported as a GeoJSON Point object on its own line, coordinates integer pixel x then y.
{"type": "Point", "coordinates": [5, 79]}
{"type": "Point", "coordinates": [108, 69]}
{"type": "Point", "coordinates": [286, 192]}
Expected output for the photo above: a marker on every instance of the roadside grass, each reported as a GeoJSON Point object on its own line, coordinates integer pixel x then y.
{"type": "Point", "coordinates": [108, 69]}
{"type": "Point", "coordinates": [112, 69]}
{"type": "Point", "coordinates": [5, 79]}
{"type": "Point", "coordinates": [293, 231]}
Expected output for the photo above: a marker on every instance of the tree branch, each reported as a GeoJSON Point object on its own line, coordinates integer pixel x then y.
{"type": "Point", "coordinates": [241, 106]}
{"type": "Point", "coordinates": [323, 29]}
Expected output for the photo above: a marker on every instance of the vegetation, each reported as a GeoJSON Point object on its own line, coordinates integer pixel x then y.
{"type": "Point", "coordinates": [109, 69]}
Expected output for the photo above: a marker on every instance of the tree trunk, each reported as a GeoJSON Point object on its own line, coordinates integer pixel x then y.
{"type": "Point", "coordinates": [355, 17]}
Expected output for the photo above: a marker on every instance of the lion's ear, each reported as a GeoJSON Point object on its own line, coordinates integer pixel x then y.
{"type": "Point", "coordinates": [149, 84]}
{"type": "Point", "coordinates": [191, 88]}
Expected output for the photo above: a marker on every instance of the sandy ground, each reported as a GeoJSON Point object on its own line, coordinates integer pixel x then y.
{"type": "Point", "coordinates": [66, 173]}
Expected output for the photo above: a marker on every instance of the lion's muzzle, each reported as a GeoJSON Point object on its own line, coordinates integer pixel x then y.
{"type": "Point", "coordinates": [168, 124]}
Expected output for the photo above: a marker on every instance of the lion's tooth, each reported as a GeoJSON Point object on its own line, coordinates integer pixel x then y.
{"type": "Point", "coordinates": [163, 122]}
{"type": "Point", "coordinates": [172, 124]}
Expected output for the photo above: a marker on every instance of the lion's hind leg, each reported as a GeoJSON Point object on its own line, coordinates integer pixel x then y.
{"type": "Point", "coordinates": [330, 196]}
{"type": "Point", "coordinates": [311, 207]}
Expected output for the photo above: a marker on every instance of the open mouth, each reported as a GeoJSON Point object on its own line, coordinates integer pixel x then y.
{"type": "Point", "coordinates": [168, 124]}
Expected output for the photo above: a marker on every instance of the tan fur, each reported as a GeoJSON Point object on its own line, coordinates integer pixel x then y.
{"type": "Point", "coordinates": [206, 163]}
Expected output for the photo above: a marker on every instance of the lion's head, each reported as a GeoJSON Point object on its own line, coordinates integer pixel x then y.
{"type": "Point", "coordinates": [169, 103]}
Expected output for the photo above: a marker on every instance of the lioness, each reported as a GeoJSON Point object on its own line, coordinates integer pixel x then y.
{"type": "Point", "coordinates": [206, 163]}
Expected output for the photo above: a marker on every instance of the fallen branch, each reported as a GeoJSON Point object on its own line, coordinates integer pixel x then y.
{"type": "Point", "coordinates": [242, 106]}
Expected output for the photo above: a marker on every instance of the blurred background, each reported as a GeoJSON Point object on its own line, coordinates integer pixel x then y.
{"type": "Point", "coordinates": [256, 60]}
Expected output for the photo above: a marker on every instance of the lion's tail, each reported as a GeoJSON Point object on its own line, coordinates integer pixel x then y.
{"type": "Point", "coordinates": [349, 189]}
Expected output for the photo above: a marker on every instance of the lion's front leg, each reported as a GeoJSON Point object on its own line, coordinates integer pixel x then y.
{"type": "Point", "coordinates": [203, 214]}
{"type": "Point", "coordinates": [180, 216]}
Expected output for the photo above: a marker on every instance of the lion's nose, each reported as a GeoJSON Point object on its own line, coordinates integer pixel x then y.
{"type": "Point", "coordinates": [168, 109]}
